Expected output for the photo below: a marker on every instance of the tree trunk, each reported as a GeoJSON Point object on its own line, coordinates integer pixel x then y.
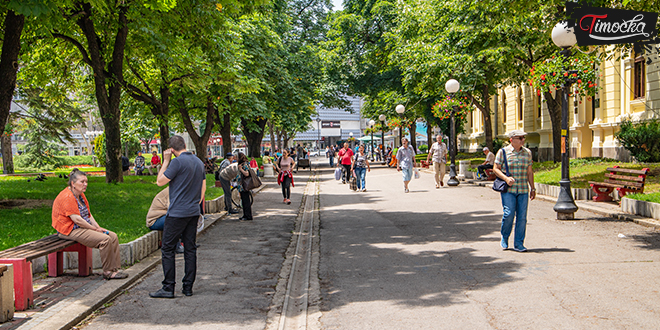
{"type": "Point", "coordinates": [162, 113]}
{"type": "Point", "coordinates": [429, 134]}
{"type": "Point", "coordinates": [413, 133]}
{"type": "Point", "coordinates": [7, 157]}
{"type": "Point", "coordinates": [224, 123]}
{"type": "Point", "coordinates": [279, 141]}
{"type": "Point", "coordinates": [254, 137]}
{"type": "Point", "coordinates": [285, 139]}
{"type": "Point", "coordinates": [484, 108]}
{"type": "Point", "coordinates": [107, 84]}
{"type": "Point", "coordinates": [200, 142]}
{"type": "Point", "coordinates": [554, 109]}
{"type": "Point", "coordinates": [272, 137]}
{"type": "Point", "coordinates": [11, 47]}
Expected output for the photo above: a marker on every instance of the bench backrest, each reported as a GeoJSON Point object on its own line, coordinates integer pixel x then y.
{"type": "Point", "coordinates": [36, 249]}
{"type": "Point", "coordinates": [624, 177]}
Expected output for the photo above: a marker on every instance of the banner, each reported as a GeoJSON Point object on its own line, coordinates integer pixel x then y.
{"type": "Point", "coordinates": [605, 26]}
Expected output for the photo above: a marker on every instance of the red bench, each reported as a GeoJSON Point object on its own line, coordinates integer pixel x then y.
{"type": "Point", "coordinates": [491, 175]}
{"type": "Point", "coordinates": [21, 257]}
{"type": "Point", "coordinates": [624, 184]}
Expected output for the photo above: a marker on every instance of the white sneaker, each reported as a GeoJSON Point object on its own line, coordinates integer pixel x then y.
{"type": "Point", "coordinates": [407, 190]}
{"type": "Point", "coordinates": [364, 189]}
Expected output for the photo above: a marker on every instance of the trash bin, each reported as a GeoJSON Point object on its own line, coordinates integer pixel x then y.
{"type": "Point", "coordinates": [268, 171]}
{"type": "Point", "coordinates": [463, 166]}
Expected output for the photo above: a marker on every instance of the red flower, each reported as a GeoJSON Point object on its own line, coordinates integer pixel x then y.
{"type": "Point", "coordinates": [579, 81]}
{"type": "Point", "coordinates": [565, 74]}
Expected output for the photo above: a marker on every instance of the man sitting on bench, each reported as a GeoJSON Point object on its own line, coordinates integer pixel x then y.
{"type": "Point", "coordinates": [486, 165]}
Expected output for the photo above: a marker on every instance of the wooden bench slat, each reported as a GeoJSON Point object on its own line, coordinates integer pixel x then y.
{"type": "Point", "coordinates": [625, 170]}
{"type": "Point", "coordinates": [610, 185]}
{"type": "Point", "coordinates": [626, 184]}
{"type": "Point", "coordinates": [38, 248]}
{"type": "Point", "coordinates": [625, 177]}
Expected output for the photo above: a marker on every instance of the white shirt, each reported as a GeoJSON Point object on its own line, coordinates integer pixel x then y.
{"type": "Point", "coordinates": [439, 151]}
{"type": "Point", "coordinates": [490, 158]}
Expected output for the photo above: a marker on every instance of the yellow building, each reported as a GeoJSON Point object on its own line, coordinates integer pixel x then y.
{"type": "Point", "coordinates": [629, 88]}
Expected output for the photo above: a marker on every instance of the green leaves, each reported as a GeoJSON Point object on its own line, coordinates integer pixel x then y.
{"type": "Point", "coordinates": [550, 74]}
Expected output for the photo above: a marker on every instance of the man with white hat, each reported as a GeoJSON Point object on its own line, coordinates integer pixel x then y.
{"type": "Point", "coordinates": [486, 165]}
{"type": "Point", "coordinates": [520, 179]}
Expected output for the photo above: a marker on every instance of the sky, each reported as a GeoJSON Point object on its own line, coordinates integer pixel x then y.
{"type": "Point", "coordinates": [336, 5]}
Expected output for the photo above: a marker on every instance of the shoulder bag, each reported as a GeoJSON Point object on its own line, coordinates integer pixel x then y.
{"type": "Point", "coordinates": [250, 182]}
{"type": "Point", "coordinates": [499, 184]}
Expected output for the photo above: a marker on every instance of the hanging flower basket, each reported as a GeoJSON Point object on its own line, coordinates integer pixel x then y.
{"type": "Point", "coordinates": [443, 108]}
{"type": "Point", "coordinates": [550, 75]}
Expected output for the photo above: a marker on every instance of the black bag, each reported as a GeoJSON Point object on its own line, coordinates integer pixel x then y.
{"type": "Point", "coordinates": [499, 184]}
{"type": "Point", "coordinates": [250, 182]}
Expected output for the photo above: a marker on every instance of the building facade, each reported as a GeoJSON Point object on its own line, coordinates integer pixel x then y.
{"type": "Point", "coordinates": [333, 125]}
{"type": "Point", "coordinates": [629, 89]}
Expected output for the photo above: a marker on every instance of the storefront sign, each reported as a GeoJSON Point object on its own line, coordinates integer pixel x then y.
{"type": "Point", "coordinates": [330, 124]}
{"type": "Point", "coordinates": [605, 26]}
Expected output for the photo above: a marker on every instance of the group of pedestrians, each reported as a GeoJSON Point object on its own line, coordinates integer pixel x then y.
{"type": "Point", "coordinates": [513, 164]}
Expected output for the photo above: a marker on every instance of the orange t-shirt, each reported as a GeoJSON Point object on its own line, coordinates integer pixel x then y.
{"type": "Point", "coordinates": [65, 205]}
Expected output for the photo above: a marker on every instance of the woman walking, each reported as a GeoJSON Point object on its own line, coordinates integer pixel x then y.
{"type": "Point", "coordinates": [518, 159]}
{"type": "Point", "coordinates": [74, 221]}
{"type": "Point", "coordinates": [244, 171]}
{"type": "Point", "coordinates": [405, 162]}
{"type": "Point", "coordinates": [285, 177]}
{"type": "Point", "coordinates": [360, 167]}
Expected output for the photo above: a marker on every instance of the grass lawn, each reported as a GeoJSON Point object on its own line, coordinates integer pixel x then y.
{"type": "Point", "coordinates": [584, 170]}
{"type": "Point", "coordinates": [121, 208]}
{"type": "Point", "coordinates": [652, 197]}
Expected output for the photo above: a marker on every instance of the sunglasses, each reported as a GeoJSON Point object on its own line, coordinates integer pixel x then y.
{"type": "Point", "coordinates": [519, 138]}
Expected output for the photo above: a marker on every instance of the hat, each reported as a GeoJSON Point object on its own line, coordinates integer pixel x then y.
{"type": "Point", "coordinates": [517, 132]}
{"type": "Point", "coordinates": [229, 154]}
{"type": "Point", "coordinates": [485, 149]}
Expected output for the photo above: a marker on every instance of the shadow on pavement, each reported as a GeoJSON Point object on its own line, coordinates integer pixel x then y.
{"type": "Point", "coordinates": [411, 258]}
{"type": "Point", "coordinates": [650, 241]}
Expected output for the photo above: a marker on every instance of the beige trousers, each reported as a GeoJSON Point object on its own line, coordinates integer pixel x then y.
{"type": "Point", "coordinates": [439, 169]}
{"type": "Point", "coordinates": [107, 244]}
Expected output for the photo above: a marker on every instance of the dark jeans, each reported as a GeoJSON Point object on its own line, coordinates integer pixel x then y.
{"type": "Point", "coordinates": [186, 229]}
{"type": "Point", "coordinates": [347, 173]}
{"type": "Point", "coordinates": [247, 207]}
{"type": "Point", "coordinates": [482, 168]}
{"type": "Point", "coordinates": [226, 187]}
{"type": "Point", "coordinates": [286, 187]}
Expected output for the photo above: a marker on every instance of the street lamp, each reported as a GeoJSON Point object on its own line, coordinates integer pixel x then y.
{"type": "Point", "coordinates": [318, 127]}
{"type": "Point", "coordinates": [382, 136]}
{"type": "Point", "coordinates": [400, 109]}
{"type": "Point", "coordinates": [371, 124]}
{"type": "Point", "coordinates": [350, 137]}
{"type": "Point", "coordinates": [452, 86]}
{"type": "Point", "coordinates": [564, 37]}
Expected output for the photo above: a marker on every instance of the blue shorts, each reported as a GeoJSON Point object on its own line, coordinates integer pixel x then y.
{"type": "Point", "coordinates": [407, 173]}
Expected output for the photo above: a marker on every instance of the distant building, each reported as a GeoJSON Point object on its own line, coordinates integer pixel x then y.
{"type": "Point", "coordinates": [333, 125]}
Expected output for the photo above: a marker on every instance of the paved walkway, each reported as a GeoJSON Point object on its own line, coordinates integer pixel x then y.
{"type": "Point", "coordinates": [238, 269]}
{"type": "Point", "coordinates": [430, 259]}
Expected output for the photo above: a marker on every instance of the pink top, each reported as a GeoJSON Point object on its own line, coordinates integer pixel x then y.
{"type": "Point", "coordinates": [285, 164]}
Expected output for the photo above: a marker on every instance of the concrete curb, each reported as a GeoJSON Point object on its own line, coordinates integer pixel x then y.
{"type": "Point", "coordinates": [620, 215]}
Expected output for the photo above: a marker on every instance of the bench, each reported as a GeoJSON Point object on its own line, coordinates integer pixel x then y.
{"type": "Point", "coordinates": [620, 179]}
{"type": "Point", "coordinates": [491, 175]}
{"type": "Point", "coordinates": [21, 257]}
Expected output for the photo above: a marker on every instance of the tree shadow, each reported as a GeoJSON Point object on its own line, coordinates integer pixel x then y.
{"type": "Point", "coordinates": [649, 241]}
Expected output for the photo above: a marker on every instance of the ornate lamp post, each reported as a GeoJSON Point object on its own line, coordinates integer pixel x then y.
{"type": "Point", "coordinates": [371, 125]}
{"type": "Point", "coordinates": [564, 37]}
{"type": "Point", "coordinates": [452, 86]}
{"type": "Point", "coordinates": [400, 109]}
{"type": "Point", "coordinates": [382, 137]}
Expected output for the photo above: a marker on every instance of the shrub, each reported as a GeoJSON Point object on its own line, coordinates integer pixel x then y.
{"type": "Point", "coordinates": [641, 139]}
{"type": "Point", "coordinates": [99, 148]}
{"type": "Point", "coordinates": [497, 145]}
{"type": "Point", "coordinates": [424, 148]}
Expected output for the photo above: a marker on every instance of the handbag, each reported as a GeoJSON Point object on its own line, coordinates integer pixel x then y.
{"type": "Point", "coordinates": [499, 184]}
{"type": "Point", "coordinates": [353, 183]}
{"type": "Point", "coordinates": [250, 182]}
{"type": "Point", "coordinates": [337, 173]}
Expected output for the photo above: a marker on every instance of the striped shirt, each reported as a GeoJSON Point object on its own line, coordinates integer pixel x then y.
{"type": "Point", "coordinates": [518, 162]}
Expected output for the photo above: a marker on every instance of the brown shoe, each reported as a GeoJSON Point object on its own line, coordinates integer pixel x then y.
{"type": "Point", "coordinates": [115, 276]}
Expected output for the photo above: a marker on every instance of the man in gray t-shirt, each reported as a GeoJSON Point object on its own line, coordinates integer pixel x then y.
{"type": "Point", "coordinates": [187, 181]}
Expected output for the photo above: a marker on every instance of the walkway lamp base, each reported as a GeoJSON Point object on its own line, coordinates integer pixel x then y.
{"type": "Point", "coordinates": [453, 182]}
{"type": "Point", "coordinates": [565, 206]}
